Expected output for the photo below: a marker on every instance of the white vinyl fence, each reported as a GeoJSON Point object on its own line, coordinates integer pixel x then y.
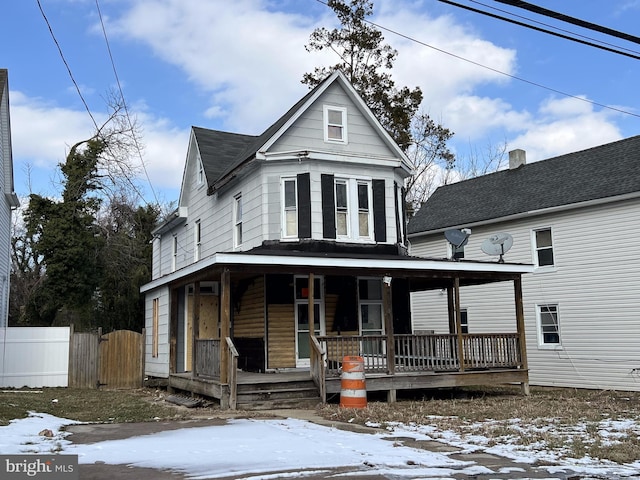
{"type": "Point", "coordinates": [34, 357]}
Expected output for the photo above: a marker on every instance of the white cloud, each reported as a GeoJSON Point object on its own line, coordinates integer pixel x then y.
{"type": "Point", "coordinates": [249, 59]}
{"type": "Point", "coordinates": [563, 126]}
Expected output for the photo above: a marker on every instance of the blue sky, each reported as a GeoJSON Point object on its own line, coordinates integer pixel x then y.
{"type": "Point", "coordinates": [237, 66]}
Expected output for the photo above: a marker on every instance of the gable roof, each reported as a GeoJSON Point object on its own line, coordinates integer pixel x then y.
{"type": "Point", "coordinates": [224, 153]}
{"type": "Point", "coordinates": [597, 173]}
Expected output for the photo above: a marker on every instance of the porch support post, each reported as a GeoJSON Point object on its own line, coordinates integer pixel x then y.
{"type": "Point", "coordinates": [225, 324]}
{"type": "Point", "coordinates": [195, 327]}
{"type": "Point", "coordinates": [456, 301]}
{"type": "Point", "coordinates": [173, 331]}
{"type": "Point", "coordinates": [311, 314]}
{"type": "Point", "coordinates": [451, 309]}
{"type": "Point", "coordinates": [524, 364]}
{"type": "Point", "coordinates": [387, 307]}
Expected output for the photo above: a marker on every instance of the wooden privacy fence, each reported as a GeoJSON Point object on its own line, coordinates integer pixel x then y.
{"type": "Point", "coordinates": [113, 360]}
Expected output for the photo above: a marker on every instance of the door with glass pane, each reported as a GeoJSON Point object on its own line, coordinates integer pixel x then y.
{"type": "Point", "coordinates": [303, 348]}
{"type": "Point", "coordinates": [371, 319]}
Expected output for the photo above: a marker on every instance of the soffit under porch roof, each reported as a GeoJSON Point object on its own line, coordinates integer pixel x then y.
{"type": "Point", "coordinates": [424, 273]}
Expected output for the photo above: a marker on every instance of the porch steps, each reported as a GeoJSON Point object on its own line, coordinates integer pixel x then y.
{"type": "Point", "coordinates": [276, 395]}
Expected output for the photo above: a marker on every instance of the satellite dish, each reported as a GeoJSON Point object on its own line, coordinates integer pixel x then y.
{"type": "Point", "coordinates": [457, 238]}
{"type": "Point", "coordinates": [497, 244]}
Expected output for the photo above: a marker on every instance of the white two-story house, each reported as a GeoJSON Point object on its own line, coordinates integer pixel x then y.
{"type": "Point", "coordinates": [288, 252]}
{"type": "Point", "coordinates": [576, 218]}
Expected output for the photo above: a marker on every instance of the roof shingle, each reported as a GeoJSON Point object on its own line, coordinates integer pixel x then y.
{"type": "Point", "coordinates": [599, 172]}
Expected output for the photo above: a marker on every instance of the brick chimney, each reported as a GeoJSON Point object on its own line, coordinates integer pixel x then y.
{"type": "Point", "coordinates": [517, 158]}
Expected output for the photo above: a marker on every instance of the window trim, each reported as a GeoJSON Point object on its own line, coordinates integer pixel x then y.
{"type": "Point", "coordinates": [155, 323]}
{"type": "Point", "coordinates": [535, 250]}
{"type": "Point", "coordinates": [325, 120]}
{"type": "Point", "coordinates": [174, 253]}
{"type": "Point", "coordinates": [542, 345]}
{"type": "Point", "coordinates": [237, 220]}
{"type": "Point", "coordinates": [283, 233]}
{"type": "Point", "coordinates": [197, 241]}
{"type": "Point", "coordinates": [353, 209]}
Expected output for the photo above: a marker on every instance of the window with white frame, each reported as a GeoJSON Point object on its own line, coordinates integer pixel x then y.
{"type": "Point", "coordinates": [543, 247]}
{"type": "Point", "coordinates": [354, 215]}
{"type": "Point", "coordinates": [200, 172]}
{"type": "Point", "coordinates": [548, 325]}
{"type": "Point", "coordinates": [290, 210]}
{"type": "Point", "coordinates": [237, 220]}
{"type": "Point", "coordinates": [335, 124]}
{"type": "Point", "coordinates": [370, 312]}
{"type": "Point", "coordinates": [155, 315]}
{"type": "Point", "coordinates": [174, 253]}
{"type": "Point", "coordinates": [464, 321]}
{"type": "Point", "coordinates": [197, 241]}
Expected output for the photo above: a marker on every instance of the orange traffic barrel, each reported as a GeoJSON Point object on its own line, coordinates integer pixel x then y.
{"type": "Point", "coordinates": [353, 392]}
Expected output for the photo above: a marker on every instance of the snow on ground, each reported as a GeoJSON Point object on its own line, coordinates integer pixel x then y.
{"type": "Point", "coordinates": [245, 447]}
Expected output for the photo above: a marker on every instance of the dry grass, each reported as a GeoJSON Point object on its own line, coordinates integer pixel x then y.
{"type": "Point", "coordinates": [86, 405]}
{"type": "Point", "coordinates": [567, 421]}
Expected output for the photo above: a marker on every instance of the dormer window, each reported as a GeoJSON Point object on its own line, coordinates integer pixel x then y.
{"type": "Point", "coordinates": [335, 124]}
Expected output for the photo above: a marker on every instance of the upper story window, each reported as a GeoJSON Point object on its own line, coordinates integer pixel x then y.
{"type": "Point", "coordinates": [353, 208]}
{"type": "Point", "coordinates": [464, 321]}
{"type": "Point", "coordinates": [455, 252]}
{"type": "Point", "coordinates": [174, 253]}
{"type": "Point", "coordinates": [290, 210]}
{"type": "Point", "coordinates": [335, 124]}
{"type": "Point", "coordinates": [197, 240]}
{"type": "Point", "coordinates": [200, 172]}
{"type": "Point", "coordinates": [543, 248]}
{"type": "Point", "coordinates": [548, 325]}
{"type": "Point", "coordinates": [237, 220]}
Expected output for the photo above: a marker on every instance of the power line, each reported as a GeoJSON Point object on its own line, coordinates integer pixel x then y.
{"type": "Point", "coordinates": [55, 40]}
{"type": "Point", "coordinates": [543, 30]}
{"type": "Point", "coordinates": [514, 77]}
{"type": "Point", "coordinates": [126, 110]}
{"type": "Point", "coordinates": [554, 27]}
{"type": "Point", "coordinates": [568, 19]}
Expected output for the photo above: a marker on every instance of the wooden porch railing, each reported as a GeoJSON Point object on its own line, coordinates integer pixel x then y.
{"type": "Point", "coordinates": [233, 374]}
{"type": "Point", "coordinates": [207, 358]}
{"type": "Point", "coordinates": [318, 372]}
{"type": "Point", "coordinates": [491, 350]}
{"type": "Point", "coordinates": [416, 353]}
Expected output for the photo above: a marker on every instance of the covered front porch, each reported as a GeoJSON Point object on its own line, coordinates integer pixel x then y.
{"type": "Point", "coordinates": [243, 363]}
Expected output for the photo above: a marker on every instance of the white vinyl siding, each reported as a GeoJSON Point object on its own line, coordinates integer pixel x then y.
{"type": "Point", "coordinates": [157, 307]}
{"type": "Point", "coordinates": [596, 287]}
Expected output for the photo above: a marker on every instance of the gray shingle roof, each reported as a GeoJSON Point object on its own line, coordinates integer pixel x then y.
{"type": "Point", "coordinates": [596, 173]}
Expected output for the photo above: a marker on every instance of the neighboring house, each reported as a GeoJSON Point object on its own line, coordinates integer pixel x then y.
{"type": "Point", "coordinates": [8, 199]}
{"type": "Point", "coordinates": [288, 252]}
{"type": "Point", "coordinates": [577, 219]}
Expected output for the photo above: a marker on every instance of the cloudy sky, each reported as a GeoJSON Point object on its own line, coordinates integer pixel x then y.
{"type": "Point", "coordinates": [237, 65]}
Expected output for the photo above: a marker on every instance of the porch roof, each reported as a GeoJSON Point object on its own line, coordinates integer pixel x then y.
{"type": "Point", "coordinates": [419, 268]}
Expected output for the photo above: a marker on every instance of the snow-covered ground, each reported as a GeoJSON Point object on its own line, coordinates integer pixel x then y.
{"type": "Point", "coordinates": [256, 448]}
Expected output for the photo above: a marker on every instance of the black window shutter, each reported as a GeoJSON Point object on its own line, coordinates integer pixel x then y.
{"type": "Point", "coordinates": [304, 205]}
{"type": "Point", "coordinates": [398, 212]}
{"type": "Point", "coordinates": [404, 215]}
{"type": "Point", "coordinates": [328, 206]}
{"type": "Point", "coordinates": [379, 213]}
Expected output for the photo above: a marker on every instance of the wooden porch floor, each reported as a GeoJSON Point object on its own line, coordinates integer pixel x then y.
{"type": "Point", "coordinates": [262, 386]}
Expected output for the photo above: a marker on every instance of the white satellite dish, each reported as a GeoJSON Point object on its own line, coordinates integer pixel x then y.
{"type": "Point", "coordinates": [497, 244]}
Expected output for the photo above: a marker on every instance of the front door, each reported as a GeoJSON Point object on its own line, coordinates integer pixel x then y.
{"type": "Point", "coordinates": [302, 316]}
